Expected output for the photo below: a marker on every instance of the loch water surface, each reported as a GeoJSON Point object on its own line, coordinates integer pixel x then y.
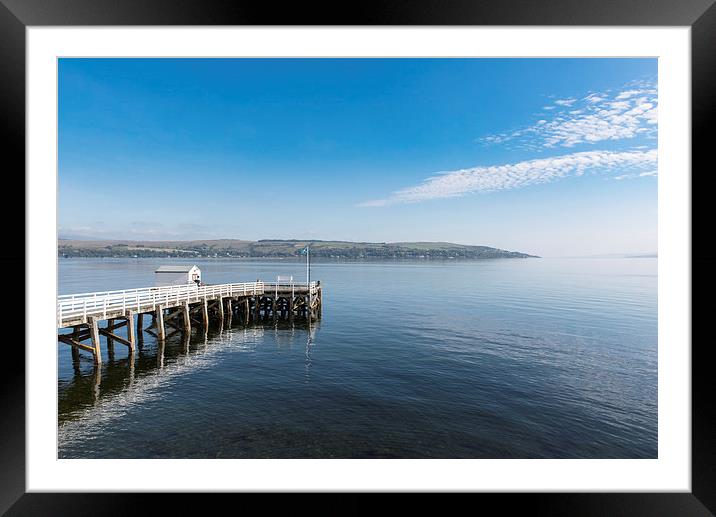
{"type": "Point", "coordinates": [510, 358]}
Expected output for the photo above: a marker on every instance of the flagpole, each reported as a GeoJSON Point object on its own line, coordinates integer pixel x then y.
{"type": "Point", "coordinates": [308, 278]}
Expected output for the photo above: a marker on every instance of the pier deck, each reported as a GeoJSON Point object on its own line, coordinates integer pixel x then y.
{"type": "Point", "coordinates": [251, 301]}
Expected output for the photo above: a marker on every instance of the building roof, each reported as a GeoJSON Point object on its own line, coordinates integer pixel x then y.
{"type": "Point", "coordinates": [176, 268]}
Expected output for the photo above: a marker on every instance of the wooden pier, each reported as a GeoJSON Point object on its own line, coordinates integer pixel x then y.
{"type": "Point", "coordinates": [174, 309]}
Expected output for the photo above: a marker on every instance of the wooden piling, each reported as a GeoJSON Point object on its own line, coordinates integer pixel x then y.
{"type": "Point", "coordinates": [229, 311]}
{"type": "Point", "coordinates": [140, 327]}
{"type": "Point", "coordinates": [131, 335]}
{"type": "Point", "coordinates": [220, 306]}
{"type": "Point", "coordinates": [75, 350]}
{"type": "Point", "coordinates": [92, 322]}
{"type": "Point", "coordinates": [159, 320]}
{"type": "Point", "coordinates": [187, 321]}
{"type": "Point", "coordinates": [110, 341]}
{"type": "Point", "coordinates": [205, 314]}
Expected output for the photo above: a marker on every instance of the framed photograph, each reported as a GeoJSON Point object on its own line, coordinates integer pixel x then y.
{"type": "Point", "coordinates": [435, 249]}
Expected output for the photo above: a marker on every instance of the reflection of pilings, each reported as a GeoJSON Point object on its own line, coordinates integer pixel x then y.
{"type": "Point", "coordinates": [96, 380]}
{"type": "Point", "coordinates": [172, 356]}
{"type": "Point", "coordinates": [160, 353]}
{"type": "Point", "coordinates": [309, 342]}
{"type": "Point", "coordinates": [117, 392]}
{"type": "Point", "coordinates": [131, 368]}
{"type": "Point", "coordinates": [186, 340]}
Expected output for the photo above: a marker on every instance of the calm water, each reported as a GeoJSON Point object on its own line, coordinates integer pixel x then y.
{"type": "Point", "coordinates": [516, 358]}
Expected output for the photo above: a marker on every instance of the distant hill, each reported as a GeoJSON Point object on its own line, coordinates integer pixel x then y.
{"type": "Point", "coordinates": [279, 249]}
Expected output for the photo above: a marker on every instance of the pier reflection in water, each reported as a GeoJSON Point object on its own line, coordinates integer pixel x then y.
{"type": "Point", "coordinates": [126, 379]}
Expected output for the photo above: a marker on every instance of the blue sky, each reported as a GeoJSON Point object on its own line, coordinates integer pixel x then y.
{"type": "Point", "coordinates": [548, 156]}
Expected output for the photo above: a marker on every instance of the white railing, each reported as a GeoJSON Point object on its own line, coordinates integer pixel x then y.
{"type": "Point", "coordinates": [71, 307]}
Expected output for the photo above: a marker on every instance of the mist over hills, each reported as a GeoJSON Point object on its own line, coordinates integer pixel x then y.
{"type": "Point", "coordinates": [279, 248]}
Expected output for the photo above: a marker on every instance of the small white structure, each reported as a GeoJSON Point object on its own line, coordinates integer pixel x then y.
{"type": "Point", "coordinates": [176, 275]}
{"type": "Point", "coordinates": [282, 279]}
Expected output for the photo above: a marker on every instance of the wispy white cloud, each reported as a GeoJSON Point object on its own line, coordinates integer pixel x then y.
{"type": "Point", "coordinates": [630, 93]}
{"type": "Point", "coordinates": [593, 98]}
{"type": "Point", "coordinates": [565, 102]}
{"type": "Point", "coordinates": [635, 175]}
{"type": "Point", "coordinates": [597, 117]}
{"type": "Point", "coordinates": [521, 174]}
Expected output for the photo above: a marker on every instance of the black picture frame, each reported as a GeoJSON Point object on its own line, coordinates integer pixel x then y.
{"type": "Point", "coordinates": [700, 15]}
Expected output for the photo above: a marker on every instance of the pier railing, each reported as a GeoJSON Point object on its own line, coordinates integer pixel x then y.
{"type": "Point", "coordinates": [71, 307]}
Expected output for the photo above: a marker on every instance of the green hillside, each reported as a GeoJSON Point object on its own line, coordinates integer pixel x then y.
{"type": "Point", "coordinates": [280, 249]}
